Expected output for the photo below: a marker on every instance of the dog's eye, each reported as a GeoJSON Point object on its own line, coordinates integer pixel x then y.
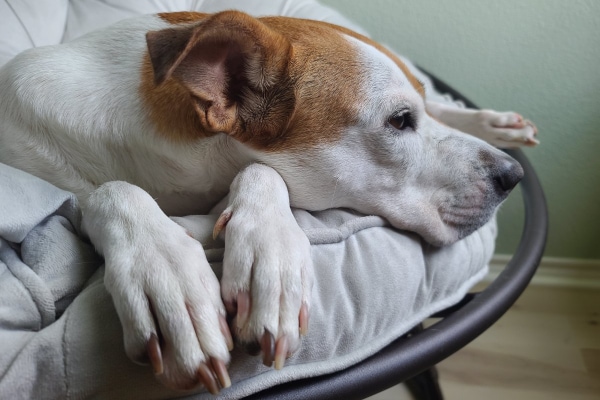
{"type": "Point", "coordinates": [400, 120]}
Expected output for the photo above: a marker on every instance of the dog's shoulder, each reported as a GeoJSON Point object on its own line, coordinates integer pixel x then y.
{"type": "Point", "coordinates": [91, 74]}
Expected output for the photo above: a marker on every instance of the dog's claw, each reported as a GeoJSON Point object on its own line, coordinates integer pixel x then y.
{"type": "Point", "coordinates": [221, 223]}
{"type": "Point", "coordinates": [303, 319]}
{"type": "Point", "coordinates": [533, 126]}
{"type": "Point", "coordinates": [207, 378]}
{"type": "Point", "coordinates": [221, 372]}
{"type": "Point", "coordinates": [226, 332]}
{"type": "Point", "coordinates": [267, 345]}
{"type": "Point", "coordinates": [281, 352]}
{"type": "Point", "coordinates": [155, 354]}
{"type": "Point", "coordinates": [531, 142]}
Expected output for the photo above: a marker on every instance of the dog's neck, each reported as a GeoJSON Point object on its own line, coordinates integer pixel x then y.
{"type": "Point", "coordinates": [201, 176]}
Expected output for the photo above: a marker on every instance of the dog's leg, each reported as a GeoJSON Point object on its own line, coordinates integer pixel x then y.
{"type": "Point", "coordinates": [267, 267]}
{"type": "Point", "coordinates": [164, 290]}
{"type": "Point", "coordinates": [501, 129]}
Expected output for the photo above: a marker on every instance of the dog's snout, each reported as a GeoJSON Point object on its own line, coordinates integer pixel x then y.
{"type": "Point", "coordinates": [506, 174]}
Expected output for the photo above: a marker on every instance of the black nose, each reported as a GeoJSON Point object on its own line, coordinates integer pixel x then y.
{"type": "Point", "coordinates": [507, 172]}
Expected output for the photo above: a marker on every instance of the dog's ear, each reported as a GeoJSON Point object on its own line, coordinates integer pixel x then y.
{"type": "Point", "coordinates": [230, 62]}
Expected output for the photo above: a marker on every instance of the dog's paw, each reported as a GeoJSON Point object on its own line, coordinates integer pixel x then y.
{"type": "Point", "coordinates": [165, 293]}
{"type": "Point", "coordinates": [504, 129]}
{"type": "Point", "coordinates": [267, 267]}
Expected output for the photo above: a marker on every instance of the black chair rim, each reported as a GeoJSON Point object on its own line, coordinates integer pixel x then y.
{"type": "Point", "coordinates": [413, 354]}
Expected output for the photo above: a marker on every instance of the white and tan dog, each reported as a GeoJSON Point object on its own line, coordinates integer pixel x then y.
{"type": "Point", "coordinates": [164, 115]}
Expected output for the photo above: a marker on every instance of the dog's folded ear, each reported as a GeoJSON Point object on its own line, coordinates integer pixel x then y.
{"type": "Point", "coordinates": [230, 62]}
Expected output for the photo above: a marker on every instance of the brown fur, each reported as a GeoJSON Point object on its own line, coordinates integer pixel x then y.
{"type": "Point", "coordinates": [182, 17]}
{"type": "Point", "coordinates": [234, 71]}
{"type": "Point", "coordinates": [170, 107]}
{"type": "Point", "coordinates": [304, 91]}
{"type": "Point", "coordinates": [418, 85]}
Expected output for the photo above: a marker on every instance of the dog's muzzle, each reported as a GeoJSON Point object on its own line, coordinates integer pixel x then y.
{"type": "Point", "coordinates": [502, 174]}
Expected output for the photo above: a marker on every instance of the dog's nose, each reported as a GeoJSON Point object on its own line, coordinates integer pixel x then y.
{"type": "Point", "coordinates": [506, 174]}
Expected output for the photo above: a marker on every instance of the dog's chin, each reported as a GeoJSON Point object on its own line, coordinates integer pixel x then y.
{"type": "Point", "coordinates": [446, 231]}
{"type": "Point", "coordinates": [455, 230]}
{"type": "Point", "coordinates": [443, 237]}
{"type": "Point", "coordinates": [448, 235]}
{"type": "Point", "coordinates": [433, 231]}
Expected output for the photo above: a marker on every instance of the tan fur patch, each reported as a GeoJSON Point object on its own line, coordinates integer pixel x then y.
{"type": "Point", "coordinates": [326, 73]}
{"type": "Point", "coordinates": [322, 79]}
{"type": "Point", "coordinates": [418, 85]}
{"type": "Point", "coordinates": [170, 107]}
{"type": "Point", "coordinates": [326, 102]}
{"type": "Point", "coordinates": [182, 17]}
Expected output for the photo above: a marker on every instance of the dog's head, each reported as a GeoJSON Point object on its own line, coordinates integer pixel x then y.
{"type": "Point", "coordinates": [338, 116]}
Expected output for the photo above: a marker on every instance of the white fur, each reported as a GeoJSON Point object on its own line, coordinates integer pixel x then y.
{"type": "Point", "coordinates": [71, 114]}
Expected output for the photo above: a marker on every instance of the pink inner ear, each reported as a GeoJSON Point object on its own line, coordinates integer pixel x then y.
{"type": "Point", "coordinates": [212, 79]}
{"type": "Point", "coordinates": [210, 70]}
{"type": "Point", "coordinates": [204, 72]}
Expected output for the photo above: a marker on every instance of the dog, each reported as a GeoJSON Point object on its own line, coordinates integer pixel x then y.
{"type": "Point", "coordinates": [167, 114]}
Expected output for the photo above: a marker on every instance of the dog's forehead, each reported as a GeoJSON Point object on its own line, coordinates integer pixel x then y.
{"type": "Point", "coordinates": [371, 45]}
{"type": "Point", "coordinates": [384, 73]}
{"type": "Point", "coordinates": [315, 34]}
{"type": "Point", "coordinates": [387, 71]}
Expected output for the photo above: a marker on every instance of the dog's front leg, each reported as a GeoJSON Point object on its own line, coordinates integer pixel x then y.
{"type": "Point", "coordinates": [501, 129]}
{"type": "Point", "coordinates": [267, 267]}
{"type": "Point", "coordinates": [165, 293]}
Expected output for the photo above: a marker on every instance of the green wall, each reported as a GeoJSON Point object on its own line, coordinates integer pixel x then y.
{"type": "Point", "coordinates": [540, 58]}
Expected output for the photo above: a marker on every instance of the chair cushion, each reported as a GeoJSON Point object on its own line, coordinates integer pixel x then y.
{"type": "Point", "coordinates": [59, 334]}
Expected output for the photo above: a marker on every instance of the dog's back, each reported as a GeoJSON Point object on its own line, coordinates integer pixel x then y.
{"type": "Point", "coordinates": [67, 109]}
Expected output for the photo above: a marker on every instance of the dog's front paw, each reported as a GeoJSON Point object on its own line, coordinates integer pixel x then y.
{"type": "Point", "coordinates": [505, 129]}
{"type": "Point", "coordinates": [267, 267]}
{"type": "Point", "coordinates": [165, 293]}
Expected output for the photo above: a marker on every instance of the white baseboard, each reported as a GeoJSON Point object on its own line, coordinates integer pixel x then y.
{"type": "Point", "coordinates": [554, 271]}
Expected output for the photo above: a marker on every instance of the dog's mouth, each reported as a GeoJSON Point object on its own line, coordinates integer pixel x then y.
{"type": "Point", "coordinates": [460, 216]}
{"type": "Point", "coordinates": [470, 210]}
{"type": "Point", "coordinates": [466, 207]}
{"type": "Point", "coordinates": [466, 220]}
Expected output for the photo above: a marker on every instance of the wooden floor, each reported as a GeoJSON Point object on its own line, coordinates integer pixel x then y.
{"type": "Point", "coordinates": [546, 347]}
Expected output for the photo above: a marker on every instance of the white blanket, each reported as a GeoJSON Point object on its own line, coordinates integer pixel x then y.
{"type": "Point", "coordinates": [60, 337]}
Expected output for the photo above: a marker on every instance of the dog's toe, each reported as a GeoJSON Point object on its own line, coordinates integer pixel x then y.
{"type": "Point", "coordinates": [507, 129]}
{"type": "Point", "coordinates": [506, 120]}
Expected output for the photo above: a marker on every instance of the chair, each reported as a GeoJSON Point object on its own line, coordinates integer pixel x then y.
{"type": "Point", "coordinates": [412, 358]}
